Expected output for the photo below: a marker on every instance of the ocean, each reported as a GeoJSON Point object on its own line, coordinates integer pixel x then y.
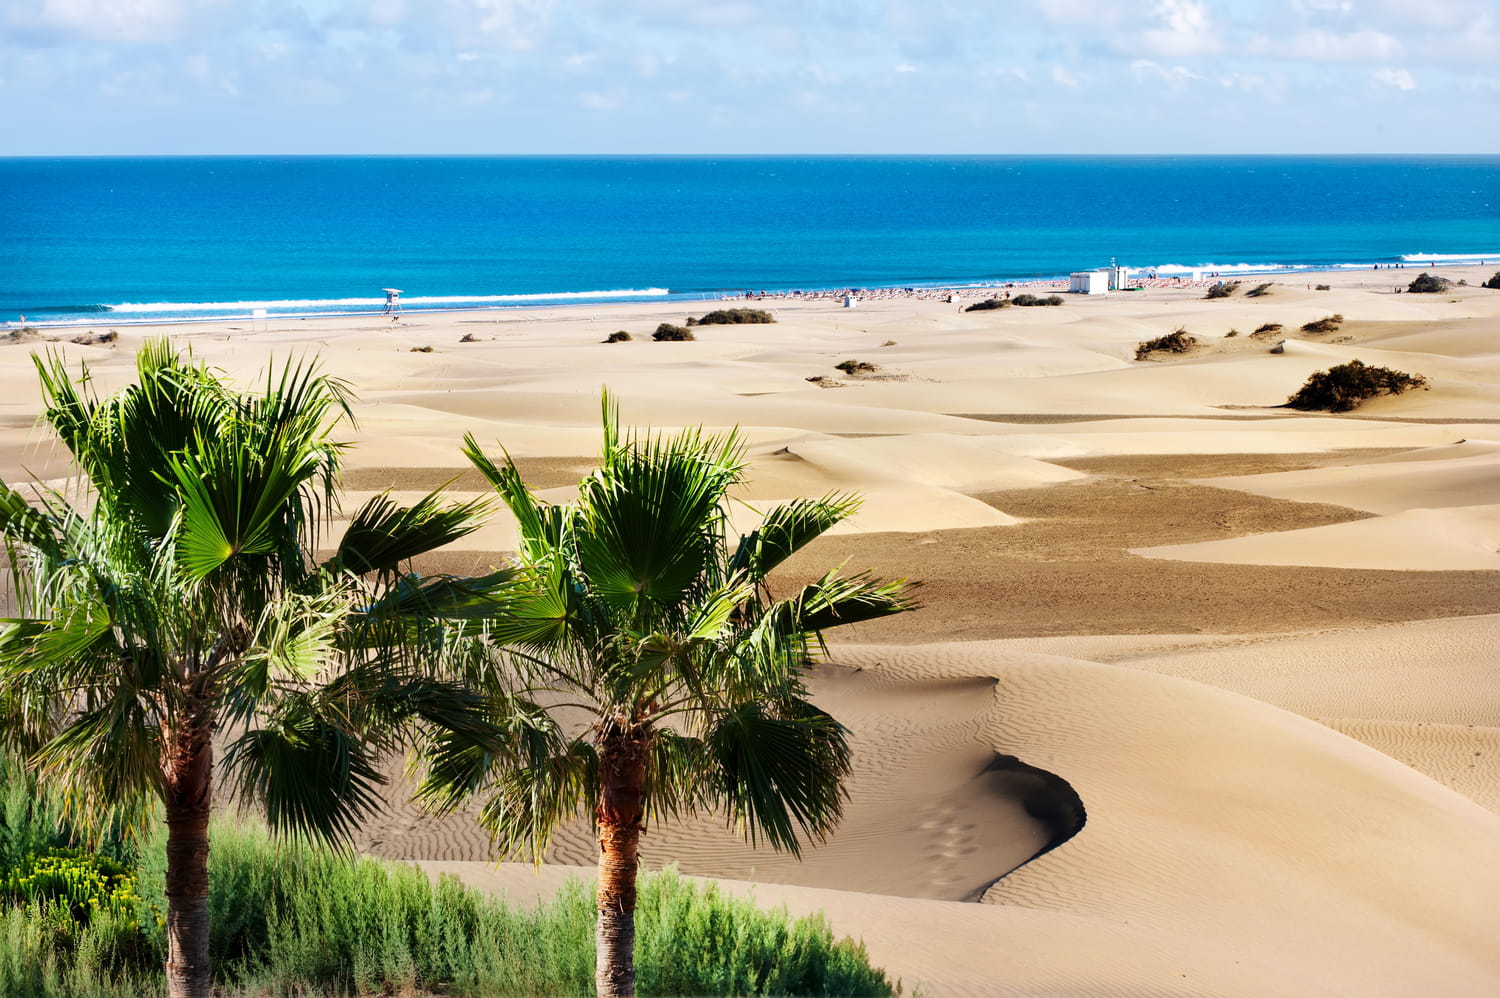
{"type": "Point", "coordinates": [104, 241]}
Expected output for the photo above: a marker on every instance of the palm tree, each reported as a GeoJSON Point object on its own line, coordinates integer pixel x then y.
{"type": "Point", "coordinates": [632, 606]}
{"type": "Point", "coordinates": [169, 594]}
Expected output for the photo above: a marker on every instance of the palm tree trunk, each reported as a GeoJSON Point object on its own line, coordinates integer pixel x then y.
{"type": "Point", "coordinates": [188, 773]}
{"type": "Point", "coordinates": [622, 774]}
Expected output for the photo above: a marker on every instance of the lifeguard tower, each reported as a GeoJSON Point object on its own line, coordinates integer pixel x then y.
{"type": "Point", "coordinates": [392, 301]}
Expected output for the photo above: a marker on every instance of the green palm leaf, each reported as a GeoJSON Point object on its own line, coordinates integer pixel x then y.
{"type": "Point", "coordinates": [383, 535]}
{"type": "Point", "coordinates": [781, 767]}
{"type": "Point", "coordinates": [786, 530]}
{"type": "Point", "coordinates": [309, 774]}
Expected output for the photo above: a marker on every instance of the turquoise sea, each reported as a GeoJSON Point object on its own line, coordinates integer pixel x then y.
{"type": "Point", "coordinates": [96, 240]}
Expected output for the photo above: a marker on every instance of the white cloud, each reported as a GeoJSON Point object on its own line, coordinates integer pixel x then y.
{"type": "Point", "coordinates": [1175, 77]}
{"type": "Point", "coordinates": [905, 67]}
{"type": "Point", "coordinates": [105, 20]}
{"type": "Point", "coordinates": [1324, 46]}
{"type": "Point", "coordinates": [1061, 75]}
{"type": "Point", "coordinates": [595, 101]}
{"type": "Point", "coordinates": [1186, 29]}
{"type": "Point", "coordinates": [1398, 78]}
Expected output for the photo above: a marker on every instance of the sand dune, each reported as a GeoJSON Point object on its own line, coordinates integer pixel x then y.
{"type": "Point", "coordinates": [1255, 647]}
{"type": "Point", "coordinates": [1454, 539]}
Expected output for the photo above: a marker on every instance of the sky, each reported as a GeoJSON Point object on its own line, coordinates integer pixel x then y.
{"type": "Point", "coordinates": [168, 77]}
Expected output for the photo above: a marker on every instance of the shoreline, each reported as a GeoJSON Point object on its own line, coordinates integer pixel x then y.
{"type": "Point", "coordinates": [1167, 276]}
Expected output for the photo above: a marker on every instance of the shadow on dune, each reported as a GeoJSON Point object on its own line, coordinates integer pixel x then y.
{"type": "Point", "coordinates": [1048, 798]}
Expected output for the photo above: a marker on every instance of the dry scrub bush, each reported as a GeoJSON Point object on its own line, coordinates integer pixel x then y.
{"type": "Point", "coordinates": [988, 304]}
{"type": "Point", "coordinates": [1327, 324]}
{"type": "Point", "coordinates": [1344, 386]}
{"type": "Point", "coordinates": [668, 333]}
{"type": "Point", "coordinates": [1178, 340]}
{"type": "Point", "coordinates": [1429, 285]}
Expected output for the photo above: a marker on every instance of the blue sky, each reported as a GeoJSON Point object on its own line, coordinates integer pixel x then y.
{"type": "Point", "coordinates": [746, 76]}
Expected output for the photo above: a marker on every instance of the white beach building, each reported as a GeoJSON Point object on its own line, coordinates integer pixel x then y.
{"type": "Point", "coordinates": [1089, 282]}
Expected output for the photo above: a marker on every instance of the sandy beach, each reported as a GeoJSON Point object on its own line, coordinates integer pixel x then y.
{"type": "Point", "coordinates": [1203, 697]}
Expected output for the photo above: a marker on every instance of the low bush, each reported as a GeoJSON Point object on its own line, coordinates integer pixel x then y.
{"type": "Point", "coordinates": [1327, 324]}
{"type": "Point", "coordinates": [668, 333]}
{"type": "Point", "coordinates": [856, 367]}
{"type": "Point", "coordinates": [467, 338]}
{"type": "Point", "coordinates": [1260, 290]}
{"type": "Point", "coordinates": [1428, 285]}
{"type": "Point", "coordinates": [1345, 386]}
{"type": "Point", "coordinates": [422, 349]}
{"type": "Point", "coordinates": [1493, 282]}
{"type": "Point", "coordinates": [1231, 334]}
{"type": "Point", "coordinates": [618, 336]}
{"type": "Point", "coordinates": [1222, 289]}
{"type": "Point", "coordinates": [1029, 299]}
{"type": "Point", "coordinates": [1178, 340]}
{"type": "Point", "coordinates": [1323, 287]}
{"type": "Point", "coordinates": [988, 305]}
{"type": "Point", "coordinates": [1267, 329]}
{"type": "Point", "coordinates": [733, 316]}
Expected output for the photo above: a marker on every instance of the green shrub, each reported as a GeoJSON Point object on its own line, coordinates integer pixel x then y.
{"type": "Point", "coordinates": [82, 884]}
{"type": "Point", "coordinates": [293, 918]}
{"type": "Point", "coordinates": [988, 304]}
{"type": "Point", "coordinates": [1345, 386]}
{"type": "Point", "coordinates": [1260, 290]}
{"type": "Point", "coordinates": [1029, 299]}
{"type": "Point", "coordinates": [1493, 282]}
{"type": "Point", "coordinates": [1427, 284]}
{"type": "Point", "coordinates": [1222, 289]}
{"type": "Point", "coordinates": [733, 316]}
{"type": "Point", "coordinates": [1177, 341]}
{"type": "Point", "coordinates": [1327, 324]}
{"type": "Point", "coordinates": [668, 333]}
{"type": "Point", "coordinates": [618, 336]}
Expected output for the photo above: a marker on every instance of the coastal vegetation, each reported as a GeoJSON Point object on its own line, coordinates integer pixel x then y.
{"type": "Point", "coordinates": [1178, 340]}
{"type": "Point", "coordinates": [170, 596]}
{"type": "Point", "coordinates": [1493, 282]}
{"type": "Point", "coordinates": [1222, 289]}
{"type": "Point", "coordinates": [1323, 287]}
{"type": "Point", "coordinates": [732, 316]}
{"type": "Point", "coordinates": [1344, 386]}
{"type": "Point", "coordinates": [1025, 300]}
{"type": "Point", "coordinates": [989, 304]}
{"type": "Point", "coordinates": [618, 336]}
{"type": "Point", "coordinates": [1327, 324]}
{"type": "Point", "coordinates": [295, 917]}
{"type": "Point", "coordinates": [1260, 290]}
{"type": "Point", "coordinates": [634, 606]}
{"type": "Point", "coordinates": [668, 333]}
{"type": "Point", "coordinates": [856, 367]}
{"type": "Point", "coordinates": [1267, 329]}
{"type": "Point", "coordinates": [1427, 284]}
